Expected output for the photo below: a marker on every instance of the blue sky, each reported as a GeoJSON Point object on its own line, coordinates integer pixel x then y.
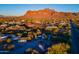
{"type": "Point", "coordinates": [20, 9]}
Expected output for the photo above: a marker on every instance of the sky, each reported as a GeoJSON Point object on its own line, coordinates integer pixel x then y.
{"type": "Point", "coordinates": [21, 9]}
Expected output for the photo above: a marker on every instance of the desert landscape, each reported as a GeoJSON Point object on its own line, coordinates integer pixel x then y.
{"type": "Point", "coordinates": [44, 31]}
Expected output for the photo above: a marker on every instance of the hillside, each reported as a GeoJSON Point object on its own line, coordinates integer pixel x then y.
{"type": "Point", "coordinates": [44, 14]}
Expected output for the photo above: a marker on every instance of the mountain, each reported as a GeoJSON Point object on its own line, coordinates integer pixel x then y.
{"type": "Point", "coordinates": [49, 14]}
{"type": "Point", "coordinates": [45, 15]}
{"type": "Point", "coordinates": [2, 16]}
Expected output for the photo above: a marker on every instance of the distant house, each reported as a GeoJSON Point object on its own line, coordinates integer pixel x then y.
{"type": "Point", "coordinates": [29, 24]}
